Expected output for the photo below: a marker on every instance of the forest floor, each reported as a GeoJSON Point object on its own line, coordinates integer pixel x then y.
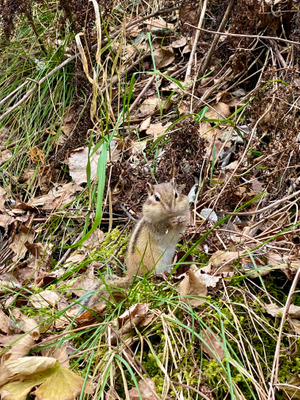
{"type": "Point", "coordinates": [99, 98]}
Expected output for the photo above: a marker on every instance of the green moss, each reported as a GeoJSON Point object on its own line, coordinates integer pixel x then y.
{"type": "Point", "coordinates": [113, 241]}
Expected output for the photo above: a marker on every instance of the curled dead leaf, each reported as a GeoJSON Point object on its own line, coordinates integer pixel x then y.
{"type": "Point", "coordinates": [193, 291]}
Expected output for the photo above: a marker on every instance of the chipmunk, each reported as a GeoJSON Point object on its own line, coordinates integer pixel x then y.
{"type": "Point", "coordinates": [155, 236]}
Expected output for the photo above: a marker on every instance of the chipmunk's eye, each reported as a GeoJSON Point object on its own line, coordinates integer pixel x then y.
{"type": "Point", "coordinates": [157, 197]}
{"type": "Point", "coordinates": [176, 195]}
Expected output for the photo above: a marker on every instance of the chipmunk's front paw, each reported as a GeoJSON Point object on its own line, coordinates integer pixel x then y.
{"type": "Point", "coordinates": [179, 220]}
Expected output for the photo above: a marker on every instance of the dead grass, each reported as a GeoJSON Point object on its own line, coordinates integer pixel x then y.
{"type": "Point", "coordinates": [122, 94]}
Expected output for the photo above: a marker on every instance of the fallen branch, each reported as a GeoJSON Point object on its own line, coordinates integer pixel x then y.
{"type": "Point", "coordinates": [191, 60]}
{"type": "Point", "coordinates": [246, 36]}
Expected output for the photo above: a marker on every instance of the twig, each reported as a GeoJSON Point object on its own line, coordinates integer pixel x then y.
{"type": "Point", "coordinates": [265, 208]}
{"type": "Point", "coordinates": [274, 374]}
{"type": "Point", "coordinates": [247, 36]}
{"type": "Point", "coordinates": [280, 59]}
{"type": "Point", "coordinates": [190, 63]}
{"type": "Point", "coordinates": [216, 38]}
{"type": "Point", "coordinates": [149, 83]}
{"type": "Point", "coordinates": [13, 92]}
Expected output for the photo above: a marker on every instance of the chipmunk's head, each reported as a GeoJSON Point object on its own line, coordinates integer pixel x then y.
{"type": "Point", "coordinates": [164, 201]}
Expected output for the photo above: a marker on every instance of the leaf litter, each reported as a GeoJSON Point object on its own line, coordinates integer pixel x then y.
{"type": "Point", "coordinates": [237, 142]}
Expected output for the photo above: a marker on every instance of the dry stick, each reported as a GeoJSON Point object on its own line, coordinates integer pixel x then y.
{"type": "Point", "coordinates": [70, 59]}
{"type": "Point", "coordinates": [149, 83]}
{"type": "Point", "coordinates": [190, 63]}
{"type": "Point", "coordinates": [280, 59]}
{"type": "Point", "coordinates": [274, 374]}
{"type": "Point", "coordinates": [13, 92]}
{"type": "Point", "coordinates": [216, 38]}
{"type": "Point", "coordinates": [265, 208]}
{"type": "Point", "coordinates": [246, 36]}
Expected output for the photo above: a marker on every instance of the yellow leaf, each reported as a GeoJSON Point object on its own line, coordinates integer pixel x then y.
{"type": "Point", "coordinates": [62, 384]}
{"type": "Point", "coordinates": [56, 382]}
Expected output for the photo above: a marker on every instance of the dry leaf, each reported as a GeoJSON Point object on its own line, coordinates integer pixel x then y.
{"type": "Point", "coordinates": [68, 125]}
{"type": "Point", "coordinates": [207, 132]}
{"type": "Point", "coordinates": [18, 244]}
{"type": "Point", "coordinates": [189, 13]}
{"type": "Point", "coordinates": [163, 56]}
{"type": "Point", "coordinates": [27, 366]}
{"type": "Point", "coordinates": [75, 258]}
{"type": "Point", "coordinates": [159, 25]}
{"type": "Point", "coordinates": [133, 32]}
{"type": "Point", "coordinates": [20, 323]}
{"type": "Point", "coordinates": [149, 106]}
{"type": "Point", "coordinates": [157, 130]}
{"type": "Point", "coordinates": [36, 155]}
{"type": "Point", "coordinates": [5, 155]}
{"type": "Point", "coordinates": [257, 186]}
{"type": "Point", "coordinates": [137, 149]}
{"type": "Point", "coordinates": [147, 388]}
{"type": "Point", "coordinates": [59, 353]}
{"type": "Point", "coordinates": [85, 283]}
{"type": "Point", "coordinates": [18, 345]}
{"type": "Point", "coordinates": [212, 345]}
{"type": "Point", "coordinates": [10, 282]}
{"type": "Point", "coordinates": [95, 239]}
{"type": "Point", "coordinates": [183, 108]}
{"type": "Point", "coordinates": [193, 286]}
{"type": "Point", "coordinates": [56, 198]}
{"type": "Point", "coordinates": [37, 264]}
{"type": "Point", "coordinates": [133, 318]}
{"type": "Point", "coordinates": [55, 382]}
{"type": "Point", "coordinates": [176, 44]}
{"type": "Point", "coordinates": [134, 314]}
{"type": "Point", "coordinates": [47, 299]}
{"type": "Point", "coordinates": [208, 280]}
{"type": "Point", "coordinates": [292, 389]}
{"type": "Point", "coordinates": [111, 394]}
{"type": "Point", "coordinates": [145, 124]}
{"type": "Point", "coordinates": [6, 221]}
{"type": "Point", "coordinates": [295, 324]}
{"type": "Point", "coordinates": [232, 166]}
{"type": "Point", "coordinates": [218, 111]}
{"type": "Point", "coordinates": [222, 261]}
{"type": "Point", "coordinates": [78, 160]}
{"type": "Point", "coordinates": [4, 321]}
{"type": "Point", "coordinates": [275, 311]}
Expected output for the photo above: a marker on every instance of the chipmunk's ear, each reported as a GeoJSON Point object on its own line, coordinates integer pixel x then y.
{"type": "Point", "coordinates": [150, 188]}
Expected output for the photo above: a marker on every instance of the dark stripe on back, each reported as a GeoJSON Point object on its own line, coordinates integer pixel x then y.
{"type": "Point", "coordinates": [136, 234]}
